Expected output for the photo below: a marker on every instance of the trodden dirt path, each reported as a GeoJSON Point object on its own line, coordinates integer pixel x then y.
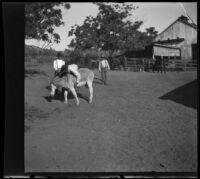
{"type": "Point", "coordinates": [139, 122]}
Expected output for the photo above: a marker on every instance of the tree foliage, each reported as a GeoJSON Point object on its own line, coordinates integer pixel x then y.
{"type": "Point", "coordinates": [111, 30]}
{"type": "Point", "coordinates": [41, 20]}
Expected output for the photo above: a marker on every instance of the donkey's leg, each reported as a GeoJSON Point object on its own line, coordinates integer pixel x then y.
{"type": "Point", "coordinates": [90, 90]}
{"type": "Point", "coordinates": [75, 95]}
{"type": "Point", "coordinates": [65, 94]}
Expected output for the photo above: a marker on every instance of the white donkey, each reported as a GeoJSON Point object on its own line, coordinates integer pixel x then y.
{"type": "Point", "coordinates": [68, 83]}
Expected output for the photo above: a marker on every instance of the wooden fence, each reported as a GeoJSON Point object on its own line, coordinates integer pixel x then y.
{"type": "Point", "coordinates": [137, 64]}
{"type": "Point", "coordinates": [186, 65]}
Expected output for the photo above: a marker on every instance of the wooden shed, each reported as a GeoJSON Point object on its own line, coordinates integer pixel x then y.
{"type": "Point", "coordinates": [159, 50]}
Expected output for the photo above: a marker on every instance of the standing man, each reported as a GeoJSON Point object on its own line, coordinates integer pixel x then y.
{"type": "Point", "coordinates": [58, 63]}
{"type": "Point", "coordinates": [103, 68]}
{"type": "Point", "coordinates": [125, 63]}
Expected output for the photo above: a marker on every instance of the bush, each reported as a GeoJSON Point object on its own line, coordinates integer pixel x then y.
{"type": "Point", "coordinates": [87, 61]}
{"type": "Point", "coordinates": [46, 59]}
{"type": "Point", "coordinates": [94, 64]}
{"type": "Point", "coordinates": [115, 62]}
{"type": "Point", "coordinates": [39, 59]}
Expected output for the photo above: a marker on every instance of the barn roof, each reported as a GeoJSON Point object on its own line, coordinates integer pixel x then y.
{"type": "Point", "coordinates": [182, 19]}
{"type": "Point", "coordinates": [177, 40]}
{"type": "Point", "coordinates": [187, 23]}
{"type": "Point", "coordinates": [165, 46]}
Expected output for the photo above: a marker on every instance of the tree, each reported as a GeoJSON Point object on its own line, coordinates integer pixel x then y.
{"type": "Point", "coordinates": [41, 20]}
{"type": "Point", "coordinates": [105, 31]}
{"type": "Point", "coordinates": [111, 31]}
{"type": "Point", "coordinates": [151, 34]}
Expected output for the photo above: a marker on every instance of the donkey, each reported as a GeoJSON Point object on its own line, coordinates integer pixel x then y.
{"type": "Point", "coordinates": [68, 83]}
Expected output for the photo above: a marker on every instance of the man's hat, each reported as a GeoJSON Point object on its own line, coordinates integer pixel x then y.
{"type": "Point", "coordinates": [102, 55]}
{"type": "Point", "coordinates": [59, 54]}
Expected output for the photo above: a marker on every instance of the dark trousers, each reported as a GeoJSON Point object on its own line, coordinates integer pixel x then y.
{"type": "Point", "coordinates": [104, 75]}
{"type": "Point", "coordinates": [56, 72]}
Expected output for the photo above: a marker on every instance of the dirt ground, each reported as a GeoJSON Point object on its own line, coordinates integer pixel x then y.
{"type": "Point", "coordinates": [140, 122]}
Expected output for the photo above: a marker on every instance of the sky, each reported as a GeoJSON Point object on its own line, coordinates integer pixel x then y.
{"type": "Point", "coordinates": [155, 14]}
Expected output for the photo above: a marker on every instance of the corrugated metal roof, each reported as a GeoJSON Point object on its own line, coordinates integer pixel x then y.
{"type": "Point", "coordinates": [165, 46]}
{"type": "Point", "coordinates": [177, 40]}
{"type": "Point", "coordinates": [187, 23]}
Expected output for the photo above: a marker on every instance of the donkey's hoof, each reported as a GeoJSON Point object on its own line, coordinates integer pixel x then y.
{"type": "Point", "coordinates": [65, 102]}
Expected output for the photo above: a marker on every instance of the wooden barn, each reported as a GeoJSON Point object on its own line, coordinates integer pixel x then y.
{"type": "Point", "coordinates": [175, 47]}
{"type": "Point", "coordinates": [178, 40]}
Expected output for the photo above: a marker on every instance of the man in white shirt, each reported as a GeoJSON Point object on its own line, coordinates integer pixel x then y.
{"type": "Point", "coordinates": [61, 68]}
{"type": "Point", "coordinates": [103, 68]}
{"type": "Point", "coordinates": [58, 63]}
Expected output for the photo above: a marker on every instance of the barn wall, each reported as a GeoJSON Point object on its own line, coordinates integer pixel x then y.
{"type": "Point", "coordinates": [190, 35]}
{"type": "Point", "coordinates": [161, 51]}
{"type": "Point", "coordinates": [181, 30]}
{"type": "Point", "coordinates": [172, 32]}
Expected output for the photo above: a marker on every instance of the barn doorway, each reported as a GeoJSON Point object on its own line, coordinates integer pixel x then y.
{"type": "Point", "coordinates": [194, 51]}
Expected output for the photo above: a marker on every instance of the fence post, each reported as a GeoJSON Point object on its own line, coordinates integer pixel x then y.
{"type": "Point", "coordinates": [153, 63]}
{"type": "Point", "coordinates": [134, 65]}
{"type": "Point", "coordinates": [174, 62]}
{"type": "Point", "coordinates": [185, 65]}
{"type": "Point", "coordinates": [125, 63]}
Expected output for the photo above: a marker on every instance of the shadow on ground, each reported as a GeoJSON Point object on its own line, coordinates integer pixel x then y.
{"type": "Point", "coordinates": [59, 95]}
{"type": "Point", "coordinates": [186, 95]}
{"type": "Point", "coordinates": [97, 81]}
{"type": "Point", "coordinates": [33, 114]}
{"type": "Point", "coordinates": [32, 72]}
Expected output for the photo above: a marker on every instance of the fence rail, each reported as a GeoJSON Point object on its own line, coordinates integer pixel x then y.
{"type": "Point", "coordinates": [137, 64]}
